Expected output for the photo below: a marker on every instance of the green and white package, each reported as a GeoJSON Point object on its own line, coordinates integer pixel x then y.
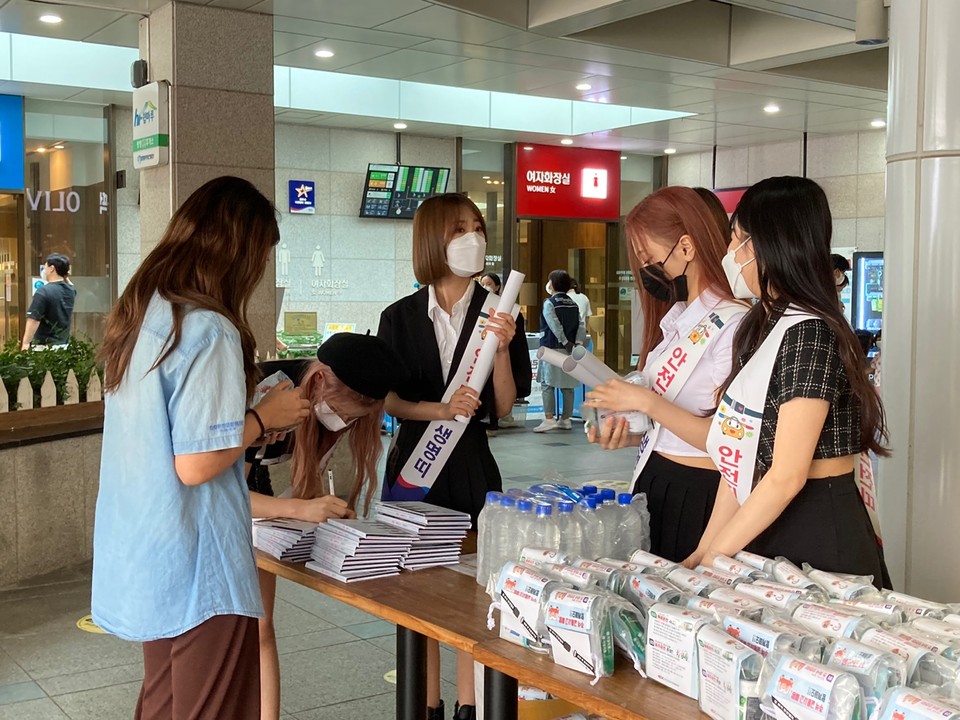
{"type": "Point", "coordinates": [924, 667]}
{"type": "Point", "coordinates": [646, 590]}
{"type": "Point", "coordinates": [629, 625]}
{"type": "Point", "coordinates": [794, 689]}
{"type": "Point", "coordinates": [521, 592]}
{"type": "Point", "coordinates": [672, 647]}
{"type": "Point", "coordinates": [581, 637]}
{"type": "Point", "coordinates": [876, 670]}
{"type": "Point", "coordinates": [906, 704]}
{"type": "Point", "coordinates": [729, 672]}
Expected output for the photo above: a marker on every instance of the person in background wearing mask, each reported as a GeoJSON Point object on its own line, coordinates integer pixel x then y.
{"type": "Point", "coordinates": [676, 248]}
{"type": "Point", "coordinates": [841, 266]}
{"type": "Point", "coordinates": [50, 313]}
{"type": "Point", "coordinates": [346, 386]}
{"type": "Point", "coordinates": [430, 331]}
{"type": "Point", "coordinates": [561, 329]}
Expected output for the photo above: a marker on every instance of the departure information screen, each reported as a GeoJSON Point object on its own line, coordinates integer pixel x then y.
{"type": "Point", "coordinates": [396, 191]}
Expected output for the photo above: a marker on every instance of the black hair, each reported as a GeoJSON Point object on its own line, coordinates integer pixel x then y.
{"type": "Point", "coordinates": [840, 263]}
{"type": "Point", "coordinates": [61, 263]}
{"type": "Point", "coordinates": [574, 285]}
{"type": "Point", "coordinates": [493, 276]}
{"type": "Point", "coordinates": [560, 280]}
{"type": "Point", "coordinates": [789, 221]}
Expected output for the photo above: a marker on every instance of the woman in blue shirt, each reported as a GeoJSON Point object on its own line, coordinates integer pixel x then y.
{"type": "Point", "coordinates": [173, 563]}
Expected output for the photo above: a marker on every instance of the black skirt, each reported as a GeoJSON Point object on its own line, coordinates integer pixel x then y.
{"type": "Point", "coordinates": [827, 525]}
{"type": "Point", "coordinates": [680, 500]}
{"type": "Point", "coordinates": [470, 473]}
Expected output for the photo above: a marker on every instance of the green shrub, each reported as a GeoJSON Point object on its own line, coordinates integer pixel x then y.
{"type": "Point", "coordinates": [16, 364]}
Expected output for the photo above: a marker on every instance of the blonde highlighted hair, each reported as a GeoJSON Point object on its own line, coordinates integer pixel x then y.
{"type": "Point", "coordinates": [320, 384]}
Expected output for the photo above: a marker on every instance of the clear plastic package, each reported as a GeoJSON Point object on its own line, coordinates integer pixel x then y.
{"type": "Point", "coordinates": [729, 676]}
{"type": "Point", "coordinates": [761, 563]}
{"type": "Point", "coordinates": [842, 588]}
{"type": "Point", "coordinates": [924, 667]}
{"type": "Point", "coordinates": [610, 577]}
{"type": "Point", "coordinates": [732, 596]}
{"type": "Point", "coordinates": [629, 625]}
{"type": "Point", "coordinates": [692, 582]}
{"type": "Point", "coordinates": [780, 597]}
{"type": "Point", "coordinates": [787, 573]}
{"type": "Point", "coordinates": [945, 647]}
{"type": "Point", "coordinates": [831, 620]}
{"type": "Point", "coordinates": [812, 644]}
{"type": "Point", "coordinates": [723, 577]}
{"type": "Point", "coordinates": [880, 611]}
{"type": "Point", "coordinates": [581, 637]}
{"type": "Point", "coordinates": [655, 563]}
{"type": "Point", "coordinates": [906, 704]}
{"type": "Point", "coordinates": [762, 638]}
{"type": "Point", "coordinates": [542, 557]}
{"type": "Point", "coordinates": [645, 590]}
{"type": "Point", "coordinates": [575, 577]}
{"type": "Point", "coordinates": [937, 628]}
{"type": "Point", "coordinates": [672, 647]}
{"type": "Point", "coordinates": [795, 688]}
{"type": "Point", "coordinates": [730, 565]}
{"type": "Point", "coordinates": [720, 609]}
{"type": "Point", "coordinates": [876, 670]}
{"type": "Point", "coordinates": [521, 593]}
{"type": "Point", "coordinates": [919, 606]}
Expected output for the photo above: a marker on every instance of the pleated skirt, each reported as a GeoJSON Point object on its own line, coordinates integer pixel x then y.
{"type": "Point", "coordinates": [680, 500]}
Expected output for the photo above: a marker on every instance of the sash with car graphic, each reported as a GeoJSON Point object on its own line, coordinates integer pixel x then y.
{"type": "Point", "coordinates": [676, 364]}
{"type": "Point", "coordinates": [441, 436]}
{"type": "Point", "coordinates": [734, 436]}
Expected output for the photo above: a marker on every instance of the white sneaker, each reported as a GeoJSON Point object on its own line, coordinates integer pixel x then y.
{"type": "Point", "coordinates": [546, 426]}
{"type": "Point", "coordinates": [565, 424]}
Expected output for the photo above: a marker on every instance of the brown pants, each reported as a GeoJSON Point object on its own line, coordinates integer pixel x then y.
{"type": "Point", "coordinates": [211, 672]}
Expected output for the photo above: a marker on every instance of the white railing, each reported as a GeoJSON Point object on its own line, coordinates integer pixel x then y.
{"type": "Point", "coordinates": [48, 392]}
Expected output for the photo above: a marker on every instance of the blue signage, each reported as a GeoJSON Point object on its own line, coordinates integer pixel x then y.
{"type": "Point", "coordinates": [11, 142]}
{"type": "Point", "coordinates": [303, 198]}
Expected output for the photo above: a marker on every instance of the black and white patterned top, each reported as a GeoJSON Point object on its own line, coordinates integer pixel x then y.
{"type": "Point", "coordinates": [809, 366]}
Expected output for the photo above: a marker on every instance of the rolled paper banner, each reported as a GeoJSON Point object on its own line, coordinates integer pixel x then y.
{"type": "Point", "coordinates": [593, 365]}
{"type": "Point", "coordinates": [578, 372]}
{"type": "Point", "coordinates": [484, 365]}
{"type": "Point", "coordinates": [551, 356]}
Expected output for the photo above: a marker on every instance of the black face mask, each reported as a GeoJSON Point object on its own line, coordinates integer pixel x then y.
{"type": "Point", "coordinates": [655, 281]}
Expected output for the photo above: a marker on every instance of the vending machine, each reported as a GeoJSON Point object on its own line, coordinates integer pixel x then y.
{"type": "Point", "coordinates": [868, 291]}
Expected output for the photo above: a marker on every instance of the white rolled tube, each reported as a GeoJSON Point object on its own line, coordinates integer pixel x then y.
{"type": "Point", "coordinates": [551, 356]}
{"type": "Point", "coordinates": [578, 372]}
{"type": "Point", "coordinates": [484, 364]}
{"type": "Point", "coordinates": [593, 365]}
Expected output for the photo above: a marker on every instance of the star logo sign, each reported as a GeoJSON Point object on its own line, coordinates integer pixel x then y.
{"type": "Point", "coordinates": [303, 191]}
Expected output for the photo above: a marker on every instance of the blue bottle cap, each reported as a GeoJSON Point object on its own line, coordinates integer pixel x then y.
{"type": "Point", "coordinates": [589, 489]}
{"type": "Point", "coordinates": [524, 506]}
{"type": "Point", "coordinates": [565, 507]}
{"type": "Point", "coordinates": [624, 498]}
{"type": "Point", "coordinates": [493, 497]}
{"type": "Point", "coordinates": [608, 494]}
{"type": "Point", "coordinates": [507, 501]}
{"type": "Point", "coordinates": [591, 501]}
{"type": "Point", "coordinates": [544, 510]}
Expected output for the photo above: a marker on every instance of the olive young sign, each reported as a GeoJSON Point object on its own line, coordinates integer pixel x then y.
{"type": "Point", "coordinates": [151, 133]}
{"type": "Point", "coordinates": [555, 182]}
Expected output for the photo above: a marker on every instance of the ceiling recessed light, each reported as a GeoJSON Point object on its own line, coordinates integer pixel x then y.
{"type": "Point", "coordinates": [485, 177]}
{"type": "Point", "coordinates": [771, 108]}
{"type": "Point", "coordinates": [878, 123]}
{"type": "Point", "coordinates": [51, 19]}
{"type": "Point", "coordinates": [584, 86]}
{"type": "Point", "coordinates": [489, 182]}
{"type": "Point", "coordinates": [41, 150]}
{"type": "Point", "coordinates": [399, 126]}
{"type": "Point", "coordinates": [324, 53]}
{"type": "Point", "coordinates": [669, 151]}
{"type": "Point", "coordinates": [58, 147]}
{"type": "Point", "coordinates": [623, 157]}
{"type": "Point", "coordinates": [566, 141]}
{"type": "Point", "coordinates": [528, 147]}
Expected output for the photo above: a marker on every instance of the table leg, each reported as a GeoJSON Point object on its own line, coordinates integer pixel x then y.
{"type": "Point", "coordinates": [411, 674]}
{"type": "Point", "coordinates": [499, 695]}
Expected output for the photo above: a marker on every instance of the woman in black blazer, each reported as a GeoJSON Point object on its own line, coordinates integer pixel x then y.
{"type": "Point", "coordinates": [430, 330]}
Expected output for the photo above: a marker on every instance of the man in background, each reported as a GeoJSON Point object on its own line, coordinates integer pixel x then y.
{"type": "Point", "coordinates": [50, 313]}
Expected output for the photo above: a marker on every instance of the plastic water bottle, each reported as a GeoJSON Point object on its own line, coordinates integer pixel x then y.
{"type": "Point", "coordinates": [592, 527]}
{"type": "Point", "coordinates": [485, 527]}
{"type": "Point", "coordinates": [522, 531]}
{"type": "Point", "coordinates": [569, 530]}
{"type": "Point", "coordinates": [545, 533]}
{"type": "Point", "coordinates": [501, 541]}
{"type": "Point", "coordinates": [610, 515]}
{"type": "Point", "coordinates": [631, 531]}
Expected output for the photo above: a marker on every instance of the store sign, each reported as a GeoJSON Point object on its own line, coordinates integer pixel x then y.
{"type": "Point", "coordinates": [11, 142]}
{"type": "Point", "coordinates": [730, 198]}
{"type": "Point", "coordinates": [302, 197]}
{"type": "Point", "coordinates": [54, 201]}
{"type": "Point", "coordinates": [331, 329]}
{"type": "Point", "coordinates": [557, 182]}
{"type": "Point", "coordinates": [151, 130]}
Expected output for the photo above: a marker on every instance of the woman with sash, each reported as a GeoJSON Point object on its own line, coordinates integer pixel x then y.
{"type": "Point", "coordinates": [675, 247]}
{"type": "Point", "coordinates": [797, 419]}
{"type": "Point", "coordinates": [438, 332]}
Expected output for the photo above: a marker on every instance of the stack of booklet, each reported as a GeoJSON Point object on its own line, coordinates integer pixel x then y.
{"type": "Point", "coordinates": [285, 539]}
{"type": "Point", "coordinates": [439, 532]}
{"type": "Point", "coordinates": [349, 550]}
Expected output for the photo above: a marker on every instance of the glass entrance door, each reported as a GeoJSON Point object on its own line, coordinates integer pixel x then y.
{"type": "Point", "coordinates": [11, 229]}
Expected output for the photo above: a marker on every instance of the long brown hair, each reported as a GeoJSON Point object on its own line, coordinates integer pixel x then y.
{"type": "Point", "coordinates": [431, 225]}
{"type": "Point", "coordinates": [789, 221]}
{"type": "Point", "coordinates": [211, 257]}
{"type": "Point", "coordinates": [312, 441]}
{"type": "Point", "coordinates": [663, 218]}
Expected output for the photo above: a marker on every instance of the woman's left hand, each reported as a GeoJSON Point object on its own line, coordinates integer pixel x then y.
{"type": "Point", "coordinates": [503, 326]}
{"type": "Point", "coordinates": [620, 396]}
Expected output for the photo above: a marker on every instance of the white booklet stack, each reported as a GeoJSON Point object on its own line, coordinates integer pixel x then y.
{"type": "Point", "coordinates": [439, 532]}
{"type": "Point", "coordinates": [350, 550]}
{"type": "Point", "coordinates": [283, 538]}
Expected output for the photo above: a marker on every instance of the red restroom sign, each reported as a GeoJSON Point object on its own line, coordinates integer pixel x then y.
{"type": "Point", "coordinates": [560, 182]}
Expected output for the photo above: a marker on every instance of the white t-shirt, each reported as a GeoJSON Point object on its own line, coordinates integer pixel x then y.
{"type": "Point", "coordinates": [699, 393]}
{"type": "Point", "coordinates": [583, 302]}
{"type": "Point", "coordinates": [447, 327]}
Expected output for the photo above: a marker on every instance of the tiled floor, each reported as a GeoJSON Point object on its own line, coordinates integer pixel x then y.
{"type": "Point", "coordinates": [334, 659]}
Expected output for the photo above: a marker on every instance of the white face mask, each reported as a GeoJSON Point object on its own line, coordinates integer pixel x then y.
{"type": "Point", "coordinates": [465, 254]}
{"type": "Point", "coordinates": [734, 273]}
{"type": "Point", "coordinates": [549, 288]}
{"type": "Point", "coordinates": [329, 419]}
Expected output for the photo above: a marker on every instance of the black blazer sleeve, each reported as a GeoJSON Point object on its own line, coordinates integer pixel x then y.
{"type": "Point", "coordinates": [520, 359]}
